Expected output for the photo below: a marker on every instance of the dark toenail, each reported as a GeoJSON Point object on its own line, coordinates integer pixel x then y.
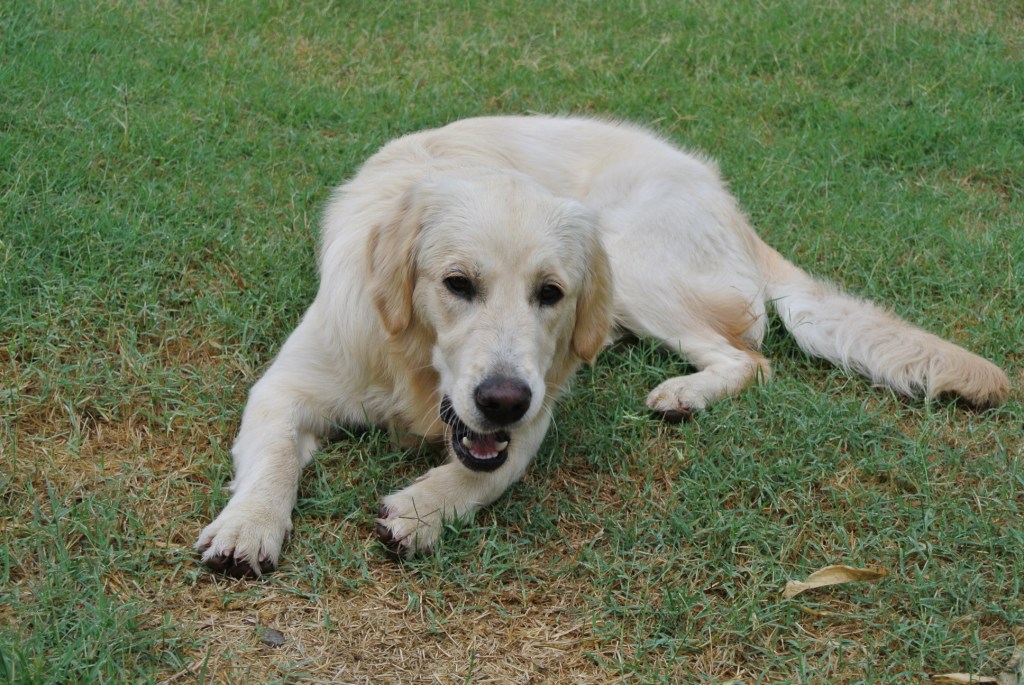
{"type": "Point", "coordinates": [229, 566]}
{"type": "Point", "coordinates": [385, 534]}
{"type": "Point", "coordinates": [674, 416]}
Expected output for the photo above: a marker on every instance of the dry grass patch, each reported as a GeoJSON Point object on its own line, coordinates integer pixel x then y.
{"type": "Point", "coordinates": [388, 632]}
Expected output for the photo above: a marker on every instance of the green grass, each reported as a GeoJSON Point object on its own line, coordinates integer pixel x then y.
{"type": "Point", "coordinates": [162, 168]}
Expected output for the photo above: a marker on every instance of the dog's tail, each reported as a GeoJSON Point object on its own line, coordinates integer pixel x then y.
{"type": "Point", "coordinates": [862, 337]}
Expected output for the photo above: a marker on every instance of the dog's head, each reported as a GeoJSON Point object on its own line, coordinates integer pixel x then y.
{"type": "Point", "coordinates": [515, 288]}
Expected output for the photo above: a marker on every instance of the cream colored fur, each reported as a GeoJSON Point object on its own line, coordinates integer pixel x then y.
{"type": "Point", "coordinates": [639, 236]}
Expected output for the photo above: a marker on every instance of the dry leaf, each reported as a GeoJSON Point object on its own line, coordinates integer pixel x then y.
{"type": "Point", "coordinates": [1011, 674]}
{"type": "Point", "coordinates": [833, 575]}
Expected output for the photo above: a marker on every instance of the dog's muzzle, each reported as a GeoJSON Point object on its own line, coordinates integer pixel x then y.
{"type": "Point", "coordinates": [477, 451]}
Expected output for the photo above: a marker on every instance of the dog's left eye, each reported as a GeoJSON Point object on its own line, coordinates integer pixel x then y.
{"type": "Point", "coordinates": [549, 294]}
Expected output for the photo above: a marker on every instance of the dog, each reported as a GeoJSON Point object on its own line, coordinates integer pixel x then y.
{"type": "Point", "coordinates": [467, 271]}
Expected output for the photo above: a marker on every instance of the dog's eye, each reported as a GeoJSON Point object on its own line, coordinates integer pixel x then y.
{"type": "Point", "coordinates": [460, 286]}
{"type": "Point", "coordinates": [549, 294]}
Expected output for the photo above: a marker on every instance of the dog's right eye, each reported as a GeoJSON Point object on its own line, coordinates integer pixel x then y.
{"type": "Point", "coordinates": [460, 286]}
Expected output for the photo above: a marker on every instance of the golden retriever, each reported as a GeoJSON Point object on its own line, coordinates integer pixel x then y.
{"type": "Point", "coordinates": [465, 273]}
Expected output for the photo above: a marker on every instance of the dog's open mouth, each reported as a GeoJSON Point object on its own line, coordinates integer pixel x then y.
{"type": "Point", "coordinates": [478, 451]}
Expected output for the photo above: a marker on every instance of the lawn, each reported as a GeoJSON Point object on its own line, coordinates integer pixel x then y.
{"type": "Point", "coordinates": [162, 169]}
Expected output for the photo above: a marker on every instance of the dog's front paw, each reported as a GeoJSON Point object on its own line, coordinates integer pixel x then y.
{"type": "Point", "coordinates": [243, 542]}
{"type": "Point", "coordinates": [410, 520]}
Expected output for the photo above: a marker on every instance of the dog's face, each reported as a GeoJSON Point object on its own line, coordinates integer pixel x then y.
{"type": "Point", "coordinates": [514, 286]}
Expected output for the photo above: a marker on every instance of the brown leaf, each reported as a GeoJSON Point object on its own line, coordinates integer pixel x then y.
{"type": "Point", "coordinates": [1011, 674]}
{"type": "Point", "coordinates": [833, 575]}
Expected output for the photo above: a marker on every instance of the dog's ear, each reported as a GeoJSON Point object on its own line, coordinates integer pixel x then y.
{"type": "Point", "coordinates": [393, 261]}
{"type": "Point", "coordinates": [594, 304]}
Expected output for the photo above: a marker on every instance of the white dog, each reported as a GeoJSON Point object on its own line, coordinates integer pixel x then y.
{"type": "Point", "coordinates": [466, 272]}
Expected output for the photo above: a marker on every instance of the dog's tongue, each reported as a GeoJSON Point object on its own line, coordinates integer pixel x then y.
{"type": "Point", "coordinates": [485, 446]}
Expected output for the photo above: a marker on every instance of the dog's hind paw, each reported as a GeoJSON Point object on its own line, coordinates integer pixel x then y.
{"type": "Point", "coordinates": [677, 399]}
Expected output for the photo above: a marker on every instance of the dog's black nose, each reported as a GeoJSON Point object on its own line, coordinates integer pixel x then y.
{"type": "Point", "coordinates": [502, 400]}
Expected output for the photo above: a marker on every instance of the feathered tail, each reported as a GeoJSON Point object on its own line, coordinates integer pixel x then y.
{"type": "Point", "coordinates": [860, 336]}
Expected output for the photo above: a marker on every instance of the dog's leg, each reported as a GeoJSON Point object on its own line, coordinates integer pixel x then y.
{"type": "Point", "coordinates": [411, 519]}
{"type": "Point", "coordinates": [717, 334]}
{"type": "Point", "coordinates": [685, 275]}
{"type": "Point", "coordinates": [723, 370]}
{"type": "Point", "coordinates": [276, 439]}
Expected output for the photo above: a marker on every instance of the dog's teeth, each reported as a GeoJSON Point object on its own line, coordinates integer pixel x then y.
{"type": "Point", "coordinates": [501, 445]}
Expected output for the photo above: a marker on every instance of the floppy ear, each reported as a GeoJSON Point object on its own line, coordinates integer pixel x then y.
{"type": "Point", "coordinates": [393, 262]}
{"type": "Point", "coordinates": [594, 304]}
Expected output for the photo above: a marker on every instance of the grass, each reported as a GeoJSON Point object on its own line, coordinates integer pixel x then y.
{"type": "Point", "coordinates": [162, 167]}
